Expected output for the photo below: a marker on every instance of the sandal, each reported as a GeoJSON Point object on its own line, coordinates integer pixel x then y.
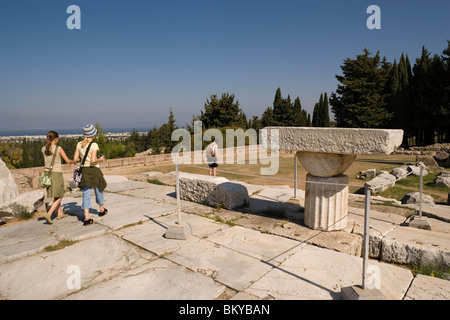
{"type": "Point", "coordinates": [59, 217]}
{"type": "Point", "coordinates": [47, 217]}
{"type": "Point", "coordinates": [88, 222]}
{"type": "Point", "coordinates": [102, 213]}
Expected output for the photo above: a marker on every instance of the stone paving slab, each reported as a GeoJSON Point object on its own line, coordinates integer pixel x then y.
{"type": "Point", "coordinates": [341, 241]}
{"type": "Point", "coordinates": [264, 247]}
{"type": "Point", "coordinates": [380, 222]}
{"type": "Point", "coordinates": [33, 236]}
{"type": "Point", "coordinates": [157, 280]}
{"type": "Point", "coordinates": [127, 185]}
{"type": "Point", "coordinates": [428, 288]}
{"type": "Point", "coordinates": [45, 276]}
{"type": "Point", "coordinates": [317, 273]}
{"type": "Point", "coordinates": [150, 235]}
{"type": "Point", "coordinates": [227, 266]}
{"type": "Point", "coordinates": [122, 209]}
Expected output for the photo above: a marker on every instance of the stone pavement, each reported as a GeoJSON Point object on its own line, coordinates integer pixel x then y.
{"type": "Point", "coordinates": [232, 255]}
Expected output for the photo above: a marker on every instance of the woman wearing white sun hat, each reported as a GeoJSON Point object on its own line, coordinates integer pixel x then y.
{"type": "Point", "coordinates": [92, 175]}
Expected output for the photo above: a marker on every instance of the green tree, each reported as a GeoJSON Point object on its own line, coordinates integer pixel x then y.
{"type": "Point", "coordinates": [326, 111]}
{"type": "Point", "coordinates": [300, 115]}
{"type": "Point", "coordinates": [283, 110]}
{"type": "Point", "coordinates": [11, 154]}
{"type": "Point", "coordinates": [321, 115]}
{"type": "Point", "coordinates": [26, 157]}
{"type": "Point", "coordinates": [361, 99]}
{"type": "Point", "coordinates": [223, 112]}
{"type": "Point", "coordinates": [399, 100]}
{"type": "Point", "coordinates": [267, 118]}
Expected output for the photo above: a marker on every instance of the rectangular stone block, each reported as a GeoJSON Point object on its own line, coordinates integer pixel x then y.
{"type": "Point", "coordinates": [335, 140]}
{"type": "Point", "coordinates": [212, 191]}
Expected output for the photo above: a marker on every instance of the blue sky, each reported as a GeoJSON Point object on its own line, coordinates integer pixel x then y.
{"type": "Point", "coordinates": [132, 61]}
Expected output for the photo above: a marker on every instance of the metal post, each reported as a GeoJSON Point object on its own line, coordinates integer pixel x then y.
{"type": "Point", "coordinates": [178, 195]}
{"type": "Point", "coordinates": [295, 176]}
{"type": "Point", "coordinates": [366, 235]}
{"type": "Point", "coordinates": [421, 190]}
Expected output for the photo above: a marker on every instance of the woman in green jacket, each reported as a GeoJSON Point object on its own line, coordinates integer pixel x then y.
{"type": "Point", "coordinates": [92, 175]}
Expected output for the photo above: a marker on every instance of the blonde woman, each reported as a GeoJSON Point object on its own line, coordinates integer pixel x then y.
{"type": "Point", "coordinates": [92, 175]}
{"type": "Point", "coordinates": [56, 190]}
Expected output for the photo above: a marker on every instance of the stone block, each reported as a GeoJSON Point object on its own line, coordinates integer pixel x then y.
{"type": "Point", "coordinates": [8, 187]}
{"type": "Point", "coordinates": [326, 202]}
{"type": "Point", "coordinates": [180, 232]}
{"type": "Point", "coordinates": [416, 246]}
{"type": "Point", "coordinates": [358, 293]}
{"type": "Point", "coordinates": [371, 173]}
{"type": "Point", "coordinates": [382, 182]}
{"type": "Point", "coordinates": [28, 201]}
{"type": "Point", "coordinates": [335, 140]}
{"type": "Point", "coordinates": [416, 170]}
{"type": "Point", "coordinates": [414, 197]}
{"type": "Point", "coordinates": [213, 191]}
{"type": "Point", "coordinates": [399, 173]}
{"type": "Point", "coordinates": [443, 179]}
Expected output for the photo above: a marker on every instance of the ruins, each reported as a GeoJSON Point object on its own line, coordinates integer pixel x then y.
{"type": "Point", "coordinates": [326, 153]}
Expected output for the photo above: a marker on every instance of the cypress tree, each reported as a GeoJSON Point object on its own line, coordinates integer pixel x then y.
{"type": "Point", "coordinates": [326, 111]}
{"type": "Point", "coordinates": [316, 115]}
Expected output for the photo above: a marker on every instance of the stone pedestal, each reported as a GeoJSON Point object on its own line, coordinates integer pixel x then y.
{"type": "Point", "coordinates": [326, 204]}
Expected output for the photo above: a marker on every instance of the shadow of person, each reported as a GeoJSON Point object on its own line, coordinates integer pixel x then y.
{"type": "Point", "coordinates": [73, 209]}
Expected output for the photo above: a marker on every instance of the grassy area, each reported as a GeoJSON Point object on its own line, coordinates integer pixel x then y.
{"type": "Point", "coordinates": [61, 245]}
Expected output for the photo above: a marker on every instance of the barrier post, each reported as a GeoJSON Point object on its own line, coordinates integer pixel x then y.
{"type": "Point", "coordinates": [179, 231]}
{"type": "Point", "coordinates": [295, 176]}
{"type": "Point", "coordinates": [366, 235]}
{"type": "Point", "coordinates": [366, 291]}
{"type": "Point", "coordinates": [178, 194]}
{"type": "Point", "coordinates": [421, 190]}
{"type": "Point", "coordinates": [418, 221]}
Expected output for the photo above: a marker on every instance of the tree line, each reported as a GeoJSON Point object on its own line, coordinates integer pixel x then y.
{"type": "Point", "coordinates": [374, 93]}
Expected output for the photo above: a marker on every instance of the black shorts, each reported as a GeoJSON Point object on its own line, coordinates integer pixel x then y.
{"type": "Point", "coordinates": [213, 165]}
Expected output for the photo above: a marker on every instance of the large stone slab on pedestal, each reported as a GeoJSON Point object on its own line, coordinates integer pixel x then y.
{"type": "Point", "coordinates": [336, 140]}
{"type": "Point", "coordinates": [326, 202]}
{"type": "Point", "coordinates": [212, 191]}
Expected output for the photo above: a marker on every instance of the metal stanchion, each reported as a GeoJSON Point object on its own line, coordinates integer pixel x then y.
{"type": "Point", "coordinates": [419, 221]}
{"type": "Point", "coordinates": [295, 176]}
{"type": "Point", "coordinates": [421, 190]}
{"type": "Point", "coordinates": [178, 194]}
{"type": "Point", "coordinates": [366, 291]}
{"type": "Point", "coordinates": [180, 231]}
{"type": "Point", "coordinates": [366, 236]}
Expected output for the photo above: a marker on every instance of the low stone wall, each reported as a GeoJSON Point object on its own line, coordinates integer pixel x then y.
{"type": "Point", "coordinates": [33, 173]}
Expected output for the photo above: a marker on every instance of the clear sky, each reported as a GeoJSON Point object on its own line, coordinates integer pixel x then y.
{"type": "Point", "coordinates": [133, 60]}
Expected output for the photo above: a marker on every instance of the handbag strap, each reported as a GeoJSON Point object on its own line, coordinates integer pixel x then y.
{"type": "Point", "coordinates": [85, 155]}
{"type": "Point", "coordinates": [53, 161]}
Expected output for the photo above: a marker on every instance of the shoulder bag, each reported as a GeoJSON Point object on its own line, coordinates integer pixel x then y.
{"type": "Point", "coordinates": [78, 172]}
{"type": "Point", "coordinates": [45, 179]}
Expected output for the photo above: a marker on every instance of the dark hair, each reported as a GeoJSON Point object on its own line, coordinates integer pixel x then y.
{"type": "Point", "coordinates": [51, 135]}
{"type": "Point", "coordinates": [213, 139]}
